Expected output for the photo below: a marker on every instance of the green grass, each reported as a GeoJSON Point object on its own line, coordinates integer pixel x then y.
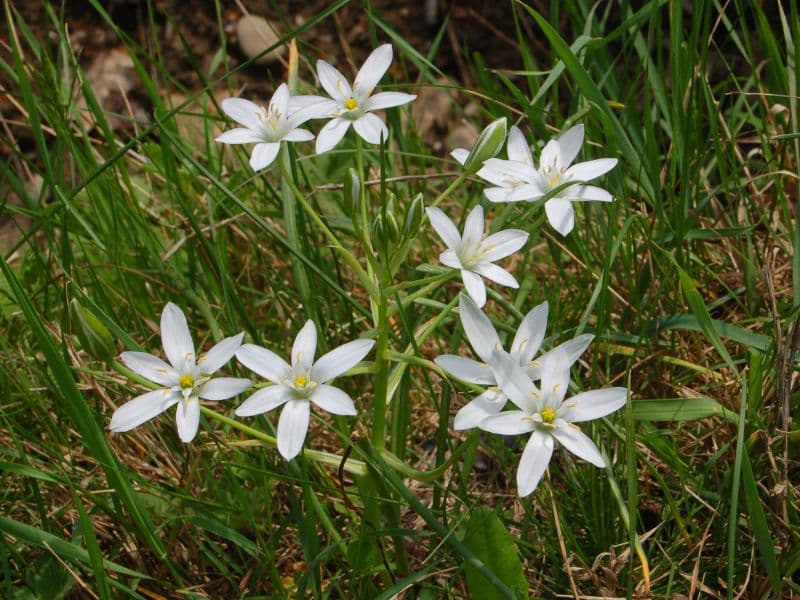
{"type": "Point", "coordinates": [690, 281]}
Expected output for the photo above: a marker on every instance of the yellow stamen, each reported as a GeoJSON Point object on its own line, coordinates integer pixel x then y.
{"type": "Point", "coordinates": [548, 415]}
{"type": "Point", "coordinates": [553, 181]}
{"type": "Point", "coordinates": [186, 381]}
{"type": "Point", "coordinates": [351, 104]}
{"type": "Point", "coordinates": [300, 381]}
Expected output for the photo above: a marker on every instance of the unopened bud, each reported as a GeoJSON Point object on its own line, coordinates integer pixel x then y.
{"type": "Point", "coordinates": [413, 218]}
{"type": "Point", "coordinates": [352, 192]}
{"type": "Point", "coordinates": [489, 143]}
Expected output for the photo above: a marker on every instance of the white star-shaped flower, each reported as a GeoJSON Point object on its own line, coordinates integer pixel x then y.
{"type": "Point", "coordinates": [517, 179]}
{"type": "Point", "coordinates": [185, 380]}
{"type": "Point", "coordinates": [354, 105]}
{"type": "Point", "coordinates": [298, 385]}
{"type": "Point", "coordinates": [473, 253]}
{"type": "Point", "coordinates": [484, 340]}
{"type": "Point", "coordinates": [267, 127]}
{"type": "Point", "coordinates": [546, 415]}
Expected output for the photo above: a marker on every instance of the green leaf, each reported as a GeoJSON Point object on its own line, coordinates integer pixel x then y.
{"type": "Point", "coordinates": [95, 337]}
{"type": "Point", "coordinates": [680, 409]}
{"type": "Point", "coordinates": [491, 543]}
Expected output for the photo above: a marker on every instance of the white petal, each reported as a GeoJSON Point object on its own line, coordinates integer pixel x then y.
{"type": "Point", "coordinates": [388, 100]}
{"type": "Point", "coordinates": [560, 214]}
{"type": "Point", "coordinates": [473, 228]}
{"type": "Point", "coordinates": [264, 400]}
{"type": "Point", "coordinates": [188, 419]}
{"type": "Point", "coordinates": [466, 369]}
{"type": "Point", "coordinates": [279, 103]}
{"type": "Point", "coordinates": [572, 349]}
{"type": "Point", "coordinates": [510, 422]}
{"type": "Point", "coordinates": [530, 334]}
{"type": "Point", "coordinates": [333, 82]}
{"type": "Point", "coordinates": [474, 286]}
{"type": "Point", "coordinates": [222, 388]}
{"type": "Point", "coordinates": [533, 462]}
{"type": "Point", "coordinates": [264, 362]}
{"type": "Point", "coordinates": [497, 274]}
{"type": "Point", "coordinates": [333, 400]}
{"type": "Point", "coordinates": [240, 135]}
{"type": "Point", "coordinates": [304, 347]}
{"type": "Point", "coordinates": [444, 227]}
{"type": "Point", "coordinates": [292, 427]}
{"type": "Point", "coordinates": [508, 173]}
{"type": "Point", "coordinates": [460, 154]}
{"type": "Point", "coordinates": [587, 193]}
{"type": "Point", "coordinates": [175, 337]}
{"type": "Point", "coordinates": [479, 329]}
{"type": "Point", "coordinates": [518, 148]}
{"type": "Point", "coordinates": [496, 194]}
{"type": "Point", "coordinates": [488, 404]}
{"type": "Point", "coordinates": [371, 129]}
{"type": "Point", "coordinates": [514, 382]}
{"type": "Point", "coordinates": [263, 155]}
{"type": "Point", "coordinates": [555, 377]}
{"type": "Point", "coordinates": [298, 135]}
{"type": "Point", "coordinates": [242, 111]}
{"type": "Point", "coordinates": [303, 102]}
{"type": "Point", "coordinates": [503, 243]}
{"type": "Point", "coordinates": [577, 442]}
{"type": "Point", "coordinates": [142, 408]}
{"type": "Point", "coordinates": [372, 70]}
{"type": "Point", "coordinates": [150, 367]}
{"type": "Point", "coordinates": [570, 143]}
{"type": "Point", "coordinates": [586, 171]}
{"type": "Point", "coordinates": [220, 354]}
{"type": "Point", "coordinates": [340, 360]}
{"type": "Point", "coordinates": [527, 192]}
{"type": "Point", "coordinates": [449, 258]}
{"type": "Point", "coordinates": [593, 404]}
{"type": "Point", "coordinates": [331, 134]}
{"type": "Point", "coordinates": [550, 156]}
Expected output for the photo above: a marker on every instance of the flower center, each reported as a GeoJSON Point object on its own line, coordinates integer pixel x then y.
{"type": "Point", "coordinates": [300, 381]}
{"type": "Point", "coordinates": [548, 415]}
{"type": "Point", "coordinates": [351, 104]}
{"type": "Point", "coordinates": [186, 381]}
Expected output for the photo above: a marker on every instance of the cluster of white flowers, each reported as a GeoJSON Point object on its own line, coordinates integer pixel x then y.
{"type": "Point", "coordinates": [539, 410]}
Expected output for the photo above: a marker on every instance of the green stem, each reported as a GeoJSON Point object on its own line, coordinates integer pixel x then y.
{"type": "Point", "coordinates": [450, 188]}
{"type": "Point", "coordinates": [422, 292]}
{"type": "Point", "coordinates": [381, 375]}
{"type": "Point", "coordinates": [290, 224]}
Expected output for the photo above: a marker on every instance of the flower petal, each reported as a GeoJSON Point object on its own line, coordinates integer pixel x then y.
{"type": "Point", "coordinates": [530, 334]}
{"type": "Point", "coordinates": [371, 129]}
{"type": "Point", "coordinates": [444, 227]}
{"type": "Point", "coordinates": [263, 155]}
{"type": "Point", "coordinates": [222, 388]}
{"type": "Point", "coordinates": [569, 144]}
{"type": "Point", "coordinates": [333, 400]}
{"type": "Point", "coordinates": [242, 111]}
{"type": "Point", "coordinates": [587, 193]}
{"type": "Point", "coordinates": [503, 243]}
{"type": "Point", "coordinates": [508, 173]}
{"type": "Point", "coordinates": [555, 377]}
{"type": "Point", "coordinates": [479, 329]}
{"type": "Point", "coordinates": [510, 422]}
{"type": "Point", "coordinates": [333, 82]}
{"type": "Point", "coordinates": [298, 135]}
{"type": "Point", "coordinates": [591, 169]}
{"type": "Point", "coordinates": [526, 192]}
{"type": "Point", "coordinates": [141, 409]}
{"type": "Point", "coordinates": [550, 156]}
{"type": "Point", "coordinates": [518, 148]}
{"type": "Point", "coordinates": [580, 444]}
{"type": "Point", "coordinates": [533, 462]}
{"type": "Point", "coordinates": [474, 286]}
{"type": "Point", "coordinates": [240, 135]}
{"type": "Point", "coordinates": [175, 337]}
{"type": "Point", "coordinates": [264, 362]}
{"type": "Point", "coordinates": [460, 154]}
{"type": "Point", "coordinates": [188, 419]}
{"type": "Point", "coordinates": [292, 427]}
{"type": "Point", "coordinates": [304, 347]}
{"type": "Point", "coordinates": [331, 134]}
{"type": "Point", "coordinates": [220, 354]}
{"type": "Point", "coordinates": [496, 194]}
{"type": "Point", "coordinates": [497, 274]}
{"type": "Point", "coordinates": [279, 103]}
{"type": "Point", "coordinates": [449, 258]}
{"type": "Point", "coordinates": [514, 382]}
{"type": "Point", "coordinates": [488, 404]}
{"type": "Point", "coordinates": [372, 70]}
{"type": "Point", "coordinates": [593, 404]}
{"type": "Point", "coordinates": [466, 369]}
{"type": "Point", "coordinates": [473, 228]}
{"type": "Point", "coordinates": [572, 348]}
{"type": "Point", "coordinates": [150, 367]}
{"type": "Point", "coordinates": [340, 360]}
{"type": "Point", "coordinates": [560, 214]}
{"type": "Point", "coordinates": [264, 400]}
{"type": "Point", "coordinates": [388, 100]}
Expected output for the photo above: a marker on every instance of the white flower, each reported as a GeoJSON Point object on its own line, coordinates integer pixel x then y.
{"type": "Point", "coordinates": [484, 340]}
{"type": "Point", "coordinates": [546, 415]}
{"type": "Point", "coordinates": [266, 128]}
{"type": "Point", "coordinates": [299, 384]}
{"type": "Point", "coordinates": [518, 180]}
{"type": "Point", "coordinates": [185, 380]}
{"type": "Point", "coordinates": [354, 106]}
{"type": "Point", "coordinates": [474, 253]}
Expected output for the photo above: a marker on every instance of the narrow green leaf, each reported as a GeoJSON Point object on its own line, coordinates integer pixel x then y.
{"type": "Point", "coordinates": [680, 409]}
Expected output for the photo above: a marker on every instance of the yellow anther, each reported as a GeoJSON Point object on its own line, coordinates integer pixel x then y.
{"type": "Point", "coordinates": [554, 181]}
{"type": "Point", "coordinates": [548, 415]}
{"type": "Point", "coordinates": [351, 104]}
{"type": "Point", "coordinates": [186, 381]}
{"type": "Point", "coordinates": [300, 381]}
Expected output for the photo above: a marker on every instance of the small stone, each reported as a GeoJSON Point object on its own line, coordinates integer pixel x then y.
{"type": "Point", "coordinates": [256, 34]}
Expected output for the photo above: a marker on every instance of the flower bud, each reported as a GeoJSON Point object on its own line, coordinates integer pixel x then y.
{"type": "Point", "coordinates": [489, 143]}
{"type": "Point", "coordinates": [352, 193]}
{"type": "Point", "coordinates": [392, 228]}
{"type": "Point", "coordinates": [379, 234]}
{"type": "Point", "coordinates": [413, 218]}
{"type": "Point", "coordinates": [95, 338]}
